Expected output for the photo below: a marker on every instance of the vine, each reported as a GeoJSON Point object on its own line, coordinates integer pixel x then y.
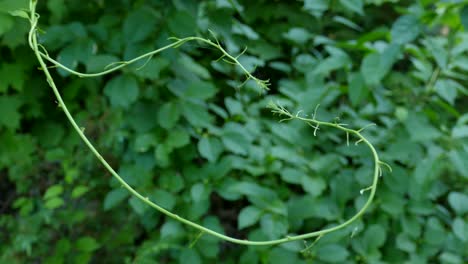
{"type": "Point", "coordinates": [42, 56]}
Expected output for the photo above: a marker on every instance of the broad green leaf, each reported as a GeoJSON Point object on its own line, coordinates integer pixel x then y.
{"type": "Point", "coordinates": [447, 89]}
{"type": "Point", "coordinates": [464, 17]}
{"type": "Point", "coordinates": [114, 197]}
{"type": "Point", "coordinates": [458, 159]}
{"type": "Point", "coordinates": [332, 253]}
{"type": "Point", "coordinates": [182, 24]}
{"type": "Point", "coordinates": [172, 229]}
{"type": "Point", "coordinates": [210, 148]}
{"type": "Point", "coordinates": [87, 244]}
{"type": "Point", "coordinates": [233, 106]}
{"type": "Point", "coordinates": [419, 128]}
{"type": "Point", "coordinates": [235, 142]}
{"type": "Point", "coordinates": [162, 155]}
{"type": "Point", "coordinates": [248, 216]}
{"type": "Point", "coordinates": [152, 69]}
{"type": "Point", "coordinates": [9, 109]}
{"type": "Point", "coordinates": [405, 243]}
{"type": "Point", "coordinates": [164, 198]}
{"type": "Point", "coordinates": [196, 114]}
{"type": "Point", "coordinates": [53, 191]}
{"type": "Point", "coordinates": [78, 191]}
{"type": "Point", "coordinates": [460, 131]}
{"type": "Point", "coordinates": [436, 48]}
{"type": "Point", "coordinates": [144, 142]}
{"type": "Point", "coordinates": [99, 62]}
{"type": "Point", "coordinates": [19, 13]}
{"type": "Point", "coordinates": [371, 69]}
{"type": "Point", "coordinates": [77, 52]}
{"type": "Point", "coordinates": [374, 236]}
{"type": "Point", "coordinates": [298, 35]}
{"type": "Point", "coordinates": [178, 138]}
{"type": "Point", "coordinates": [460, 229]}
{"type": "Point", "coordinates": [122, 91]}
{"type": "Point", "coordinates": [198, 192]}
{"type": "Point", "coordinates": [138, 205]}
{"type": "Point", "coordinates": [54, 202]}
{"type": "Point", "coordinates": [459, 202]}
{"type": "Point", "coordinates": [6, 23]}
{"type": "Point", "coordinates": [189, 255]}
{"type": "Point", "coordinates": [291, 175]}
{"type": "Point", "coordinates": [357, 89]}
{"type": "Point", "coordinates": [200, 90]}
{"type": "Point", "coordinates": [139, 25]}
{"type": "Point", "coordinates": [168, 115]}
{"type": "Point", "coordinates": [12, 75]}
{"type": "Point", "coordinates": [313, 185]}
{"type": "Point", "coordinates": [405, 29]}
{"type": "Point", "coordinates": [273, 226]}
{"type": "Point", "coordinates": [316, 7]}
{"type": "Point", "coordinates": [353, 5]}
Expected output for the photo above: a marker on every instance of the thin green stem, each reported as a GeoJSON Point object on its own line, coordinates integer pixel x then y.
{"type": "Point", "coordinates": [32, 39]}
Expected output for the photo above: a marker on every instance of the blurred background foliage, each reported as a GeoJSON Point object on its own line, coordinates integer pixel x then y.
{"type": "Point", "coordinates": [182, 132]}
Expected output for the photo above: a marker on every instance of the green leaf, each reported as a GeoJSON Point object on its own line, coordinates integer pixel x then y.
{"type": "Point", "coordinates": [458, 159]}
{"type": "Point", "coordinates": [53, 191]}
{"type": "Point", "coordinates": [122, 91]}
{"type": "Point", "coordinates": [139, 25]}
{"type": "Point", "coordinates": [210, 148]}
{"type": "Point", "coordinates": [182, 24]}
{"type": "Point", "coordinates": [196, 114]}
{"type": "Point", "coordinates": [435, 46]}
{"type": "Point", "coordinates": [374, 236]}
{"type": "Point", "coordinates": [99, 62]}
{"type": "Point", "coordinates": [405, 29]}
{"type": "Point", "coordinates": [357, 89]}
{"type": "Point", "coordinates": [200, 90]}
{"type": "Point", "coordinates": [54, 202]}
{"type": "Point", "coordinates": [405, 243]}
{"type": "Point", "coordinates": [168, 115]}
{"type": "Point", "coordinates": [6, 23]}
{"type": "Point", "coordinates": [332, 253]}
{"type": "Point", "coordinates": [447, 89]}
{"type": "Point", "coordinates": [313, 185]}
{"type": "Point", "coordinates": [19, 13]}
{"type": "Point", "coordinates": [371, 69]}
{"type": "Point", "coordinates": [464, 17]}
{"type": "Point", "coordinates": [459, 202]}
{"type": "Point", "coordinates": [86, 244]}
{"type": "Point", "coordinates": [298, 35]}
{"type": "Point", "coordinates": [189, 255]}
{"type": "Point", "coordinates": [419, 128]}
{"type": "Point", "coordinates": [353, 5]}
{"type": "Point", "coordinates": [248, 216]}
{"type": "Point", "coordinates": [316, 7]}
{"type": "Point", "coordinates": [178, 138]}
{"type": "Point", "coordinates": [274, 226]}
{"type": "Point", "coordinates": [460, 229]}
{"type": "Point", "coordinates": [12, 75]}
{"type": "Point", "coordinates": [164, 198]}
{"type": "Point", "coordinates": [114, 197]}
{"type": "Point", "coordinates": [235, 142]}
{"type": "Point", "coordinates": [291, 175]}
{"type": "Point", "coordinates": [79, 191]}
{"type": "Point", "coordinates": [460, 131]}
{"type": "Point", "coordinates": [198, 192]}
{"type": "Point", "coordinates": [9, 109]}
{"type": "Point", "coordinates": [138, 205]}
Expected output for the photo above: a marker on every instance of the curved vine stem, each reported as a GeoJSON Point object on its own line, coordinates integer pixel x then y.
{"type": "Point", "coordinates": [42, 56]}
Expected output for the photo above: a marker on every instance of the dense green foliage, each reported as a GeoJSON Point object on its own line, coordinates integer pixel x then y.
{"type": "Point", "coordinates": [181, 131]}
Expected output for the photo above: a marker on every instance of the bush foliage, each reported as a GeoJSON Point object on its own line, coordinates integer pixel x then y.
{"type": "Point", "coordinates": [181, 130]}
